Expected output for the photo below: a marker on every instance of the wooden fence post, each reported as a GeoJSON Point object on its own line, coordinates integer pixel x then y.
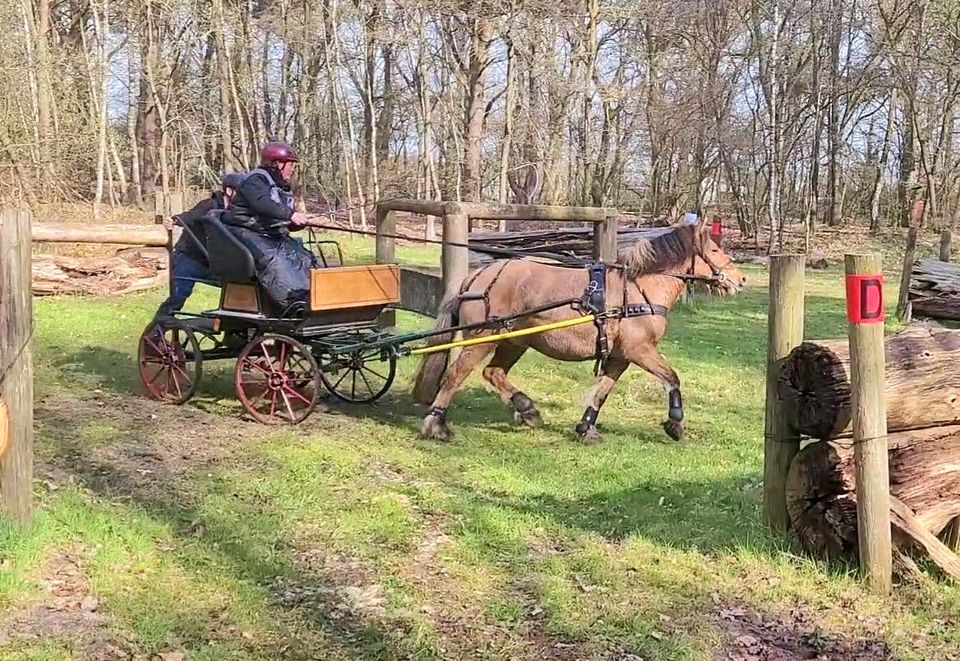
{"type": "Point", "coordinates": [784, 332]}
{"type": "Point", "coordinates": [386, 252]}
{"type": "Point", "coordinates": [454, 259]}
{"type": "Point", "coordinates": [16, 366]}
{"type": "Point", "coordinates": [865, 313]}
{"type": "Point", "coordinates": [946, 237]}
{"type": "Point", "coordinates": [605, 240]}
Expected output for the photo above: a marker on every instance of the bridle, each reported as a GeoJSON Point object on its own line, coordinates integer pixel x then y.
{"type": "Point", "coordinates": [717, 276]}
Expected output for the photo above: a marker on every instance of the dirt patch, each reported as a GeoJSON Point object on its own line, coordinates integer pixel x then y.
{"type": "Point", "coordinates": [65, 610]}
{"type": "Point", "coordinates": [758, 636]}
{"type": "Point", "coordinates": [349, 594]}
{"type": "Point", "coordinates": [144, 440]}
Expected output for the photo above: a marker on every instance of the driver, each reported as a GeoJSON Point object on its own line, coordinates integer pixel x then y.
{"type": "Point", "coordinates": [189, 258]}
{"type": "Point", "coordinates": [262, 217]}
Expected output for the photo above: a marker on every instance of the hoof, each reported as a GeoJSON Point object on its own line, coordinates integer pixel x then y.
{"type": "Point", "coordinates": [590, 436]}
{"type": "Point", "coordinates": [435, 429]}
{"type": "Point", "coordinates": [674, 429]}
{"type": "Point", "coordinates": [529, 418]}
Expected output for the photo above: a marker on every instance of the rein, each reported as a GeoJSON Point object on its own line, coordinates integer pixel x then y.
{"type": "Point", "coordinates": [717, 277]}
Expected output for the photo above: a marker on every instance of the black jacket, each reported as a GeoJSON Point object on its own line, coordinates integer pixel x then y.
{"type": "Point", "coordinates": [192, 220]}
{"type": "Point", "coordinates": [261, 204]}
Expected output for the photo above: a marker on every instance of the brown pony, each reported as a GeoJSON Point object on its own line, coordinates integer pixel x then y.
{"type": "Point", "coordinates": [651, 277]}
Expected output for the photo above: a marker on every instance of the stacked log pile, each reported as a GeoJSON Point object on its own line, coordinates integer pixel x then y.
{"type": "Point", "coordinates": [935, 290]}
{"type": "Point", "coordinates": [566, 242]}
{"type": "Point", "coordinates": [923, 425]}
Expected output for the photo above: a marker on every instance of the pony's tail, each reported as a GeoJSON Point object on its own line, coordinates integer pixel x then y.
{"type": "Point", "coordinates": [433, 366]}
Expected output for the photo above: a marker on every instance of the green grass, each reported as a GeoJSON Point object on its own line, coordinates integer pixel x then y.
{"type": "Point", "coordinates": [348, 537]}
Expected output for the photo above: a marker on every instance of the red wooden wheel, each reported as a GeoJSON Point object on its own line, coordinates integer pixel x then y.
{"type": "Point", "coordinates": [170, 361]}
{"type": "Point", "coordinates": [277, 380]}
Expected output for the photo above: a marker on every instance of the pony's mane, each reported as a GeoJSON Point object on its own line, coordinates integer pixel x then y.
{"type": "Point", "coordinates": [661, 253]}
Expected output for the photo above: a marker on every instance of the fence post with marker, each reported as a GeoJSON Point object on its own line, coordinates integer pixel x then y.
{"type": "Point", "coordinates": [865, 316]}
{"type": "Point", "coordinates": [16, 366]}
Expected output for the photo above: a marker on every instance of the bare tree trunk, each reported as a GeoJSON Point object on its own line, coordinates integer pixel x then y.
{"type": "Point", "coordinates": [33, 122]}
{"type": "Point", "coordinates": [268, 129]}
{"type": "Point", "coordinates": [280, 127]}
{"type": "Point", "coordinates": [230, 75]}
{"type": "Point", "coordinates": [812, 212]}
{"type": "Point", "coordinates": [333, 43]}
{"type": "Point", "coordinates": [44, 95]}
{"type": "Point", "coordinates": [882, 163]}
{"type": "Point", "coordinates": [153, 124]}
{"type": "Point", "coordinates": [770, 82]}
{"type": "Point", "coordinates": [585, 59]}
{"type": "Point", "coordinates": [507, 144]}
{"type": "Point", "coordinates": [102, 30]}
{"type": "Point", "coordinates": [481, 34]}
{"type": "Point", "coordinates": [227, 160]}
{"type": "Point", "coordinates": [121, 172]}
{"type": "Point", "coordinates": [384, 127]}
{"type": "Point", "coordinates": [833, 115]}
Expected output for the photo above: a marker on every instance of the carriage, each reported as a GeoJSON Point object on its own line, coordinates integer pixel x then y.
{"type": "Point", "coordinates": [284, 359]}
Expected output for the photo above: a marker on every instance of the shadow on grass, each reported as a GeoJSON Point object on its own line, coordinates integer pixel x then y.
{"type": "Point", "coordinates": [140, 474]}
{"type": "Point", "coordinates": [714, 515]}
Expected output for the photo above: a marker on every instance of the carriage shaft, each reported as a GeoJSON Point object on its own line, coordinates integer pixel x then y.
{"type": "Point", "coordinates": [504, 336]}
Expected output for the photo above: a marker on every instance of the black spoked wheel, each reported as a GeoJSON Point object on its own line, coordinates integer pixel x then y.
{"type": "Point", "coordinates": [170, 361]}
{"type": "Point", "coordinates": [276, 380]}
{"type": "Point", "coordinates": [359, 377]}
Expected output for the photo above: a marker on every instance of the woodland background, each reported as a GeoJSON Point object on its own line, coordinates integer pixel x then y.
{"type": "Point", "coordinates": [785, 115]}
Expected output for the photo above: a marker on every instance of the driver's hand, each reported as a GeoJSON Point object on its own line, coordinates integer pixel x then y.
{"type": "Point", "coordinates": [299, 219]}
{"type": "Point", "coordinates": [168, 224]}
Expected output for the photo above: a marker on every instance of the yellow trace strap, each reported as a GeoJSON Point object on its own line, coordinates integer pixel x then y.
{"type": "Point", "coordinates": [505, 336]}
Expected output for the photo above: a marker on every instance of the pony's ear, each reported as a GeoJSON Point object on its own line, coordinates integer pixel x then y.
{"type": "Point", "coordinates": [703, 230]}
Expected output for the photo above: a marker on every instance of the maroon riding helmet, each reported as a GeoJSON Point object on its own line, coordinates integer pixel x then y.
{"type": "Point", "coordinates": [277, 153]}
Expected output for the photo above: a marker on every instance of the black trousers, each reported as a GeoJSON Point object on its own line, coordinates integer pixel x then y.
{"type": "Point", "coordinates": [282, 264]}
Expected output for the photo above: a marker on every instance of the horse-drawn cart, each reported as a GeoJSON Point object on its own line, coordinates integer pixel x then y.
{"type": "Point", "coordinates": [286, 358]}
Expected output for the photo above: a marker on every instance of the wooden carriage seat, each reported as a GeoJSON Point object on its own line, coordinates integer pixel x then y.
{"type": "Point", "coordinates": [232, 264]}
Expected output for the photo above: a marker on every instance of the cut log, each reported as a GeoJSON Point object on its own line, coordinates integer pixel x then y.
{"type": "Point", "coordinates": [935, 290]}
{"type": "Point", "coordinates": [922, 382]}
{"type": "Point", "coordinates": [133, 235]}
{"type": "Point", "coordinates": [822, 498]}
{"type": "Point", "coordinates": [145, 256]}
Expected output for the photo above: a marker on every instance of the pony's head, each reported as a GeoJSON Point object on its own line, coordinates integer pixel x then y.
{"type": "Point", "coordinates": [685, 250]}
{"type": "Point", "coordinates": [718, 270]}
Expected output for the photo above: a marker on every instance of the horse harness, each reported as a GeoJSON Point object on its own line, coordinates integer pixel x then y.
{"type": "Point", "coordinates": [593, 301]}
